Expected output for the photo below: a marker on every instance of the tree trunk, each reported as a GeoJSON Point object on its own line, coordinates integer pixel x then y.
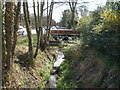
{"type": "Point", "coordinates": [39, 25]}
{"type": "Point", "coordinates": [16, 25]}
{"type": "Point", "coordinates": [3, 38]}
{"type": "Point", "coordinates": [41, 30]}
{"type": "Point", "coordinates": [3, 48]}
{"type": "Point", "coordinates": [73, 13]}
{"type": "Point", "coordinates": [28, 15]}
{"type": "Point", "coordinates": [49, 20]}
{"type": "Point", "coordinates": [25, 9]}
{"type": "Point", "coordinates": [36, 26]}
{"type": "Point", "coordinates": [8, 30]}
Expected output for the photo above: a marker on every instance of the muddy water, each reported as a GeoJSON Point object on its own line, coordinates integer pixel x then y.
{"type": "Point", "coordinates": [59, 60]}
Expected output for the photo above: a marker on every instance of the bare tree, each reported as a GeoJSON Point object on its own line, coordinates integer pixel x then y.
{"type": "Point", "coordinates": [16, 24]}
{"type": "Point", "coordinates": [41, 27]}
{"type": "Point", "coordinates": [36, 26]}
{"type": "Point", "coordinates": [49, 19]}
{"type": "Point", "coordinates": [26, 16]}
{"type": "Point", "coordinates": [72, 4]}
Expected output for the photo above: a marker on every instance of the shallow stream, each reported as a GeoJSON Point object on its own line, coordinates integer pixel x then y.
{"type": "Point", "coordinates": [59, 60]}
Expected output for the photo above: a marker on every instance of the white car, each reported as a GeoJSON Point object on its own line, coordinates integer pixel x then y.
{"type": "Point", "coordinates": [22, 31]}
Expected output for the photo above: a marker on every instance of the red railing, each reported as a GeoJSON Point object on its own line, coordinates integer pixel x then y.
{"type": "Point", "coordinates": [64, 32]}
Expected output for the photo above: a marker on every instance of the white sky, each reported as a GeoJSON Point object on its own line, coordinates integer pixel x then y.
{"type": "Point", "coordinates": [57, 10]}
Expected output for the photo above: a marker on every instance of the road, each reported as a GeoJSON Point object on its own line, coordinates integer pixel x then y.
{"type": "Point", "coordinates": [23, 31]}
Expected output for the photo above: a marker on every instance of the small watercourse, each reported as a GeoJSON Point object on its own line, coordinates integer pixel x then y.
{"type": "Point", "coordinates": [54, 71]}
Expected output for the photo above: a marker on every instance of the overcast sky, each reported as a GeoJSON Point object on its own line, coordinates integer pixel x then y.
{"type": "Point", "coordinates": [59, 8]}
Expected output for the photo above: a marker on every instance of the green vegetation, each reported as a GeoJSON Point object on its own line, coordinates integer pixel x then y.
{"type": "Point", "coordinates": [100, 30]}
{"type": "Point", "coordinates": [69, 69]}
{"type": "Point", "coordinates": [96, 63]}
{"type": "Point", "coordinates": [67, 79]}
{"type": "Point", "coordinates": [24, 39]}
{"type": "Point", "coordinates": [66, 19]}
{"type": "Point", "coordinates": [91, 61]}
{"type": "Point", "coordinates": [108, 60]}
{"type": "Point", "coordinates": [35, 76]}
{"type": "Point", "coordinates": [45, 73]}
{"type": "Point", "coordinates": [86, 67]}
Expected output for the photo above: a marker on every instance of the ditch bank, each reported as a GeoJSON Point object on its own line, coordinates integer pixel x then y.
{"type": "Point", "coordinates": [84, 68]}
{"type": "Point", "coordinates": [24, 76]}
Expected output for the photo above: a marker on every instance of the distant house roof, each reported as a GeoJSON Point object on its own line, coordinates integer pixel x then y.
{"type": "Point", "coordinates": [53, 27]}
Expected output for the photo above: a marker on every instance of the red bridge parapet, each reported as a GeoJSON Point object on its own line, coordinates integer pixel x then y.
{"type": "Point", "coordinates": [63, 32]}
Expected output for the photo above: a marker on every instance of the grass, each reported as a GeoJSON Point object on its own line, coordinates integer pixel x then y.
{"type": "Point", "coordinates": [78, 55]}
{"type": "Point", "coordinates": [108, 60]}
{"type": "Point", "coordinates": [34, 76]}
{"type": "Point", "coordinates": [68, 72]}
{"type": "Point", "coordinates": [45, 73]}
{"type": "Point", "coordinates": [68, 77]}
{"type": "Point", "coordinates": [24, 39]}
{"type": "Point", "coordinates": [22, 42]}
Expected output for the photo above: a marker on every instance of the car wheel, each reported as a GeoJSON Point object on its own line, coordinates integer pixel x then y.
{"type": "Point", "coordinates": [23, 33]}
